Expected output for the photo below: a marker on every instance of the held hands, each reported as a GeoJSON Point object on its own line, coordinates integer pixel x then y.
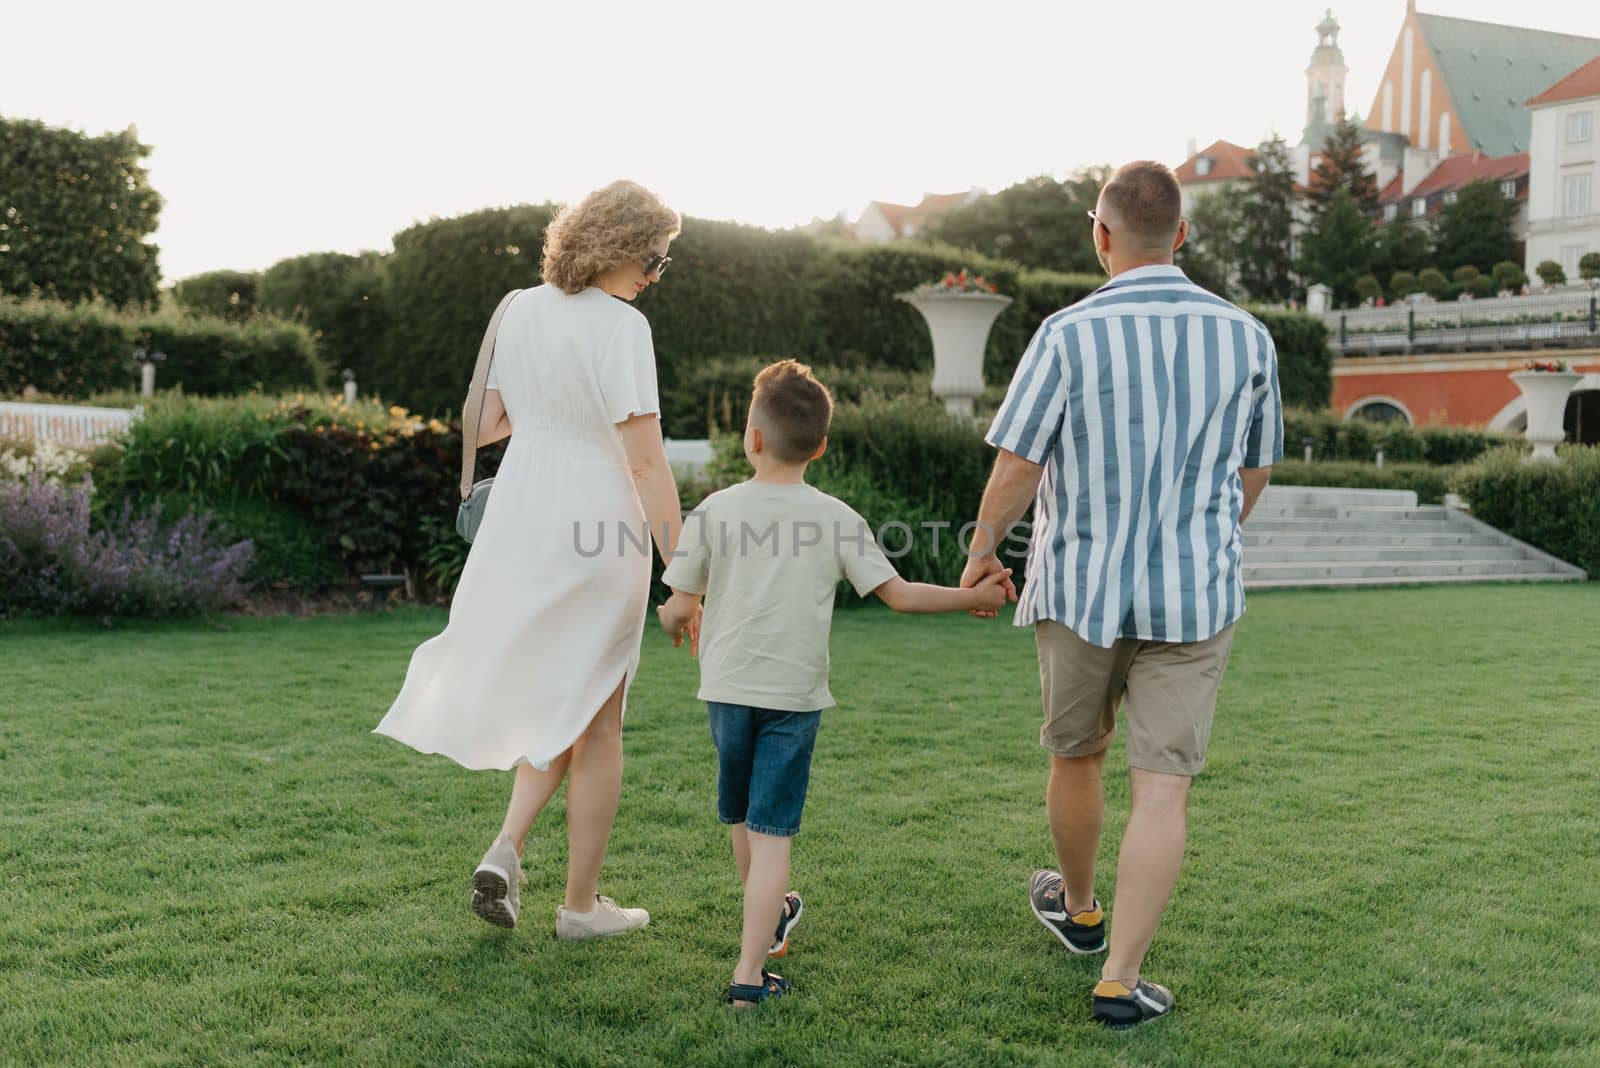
{"type": "Point", "coordinates": [680, 617]}
{"type": "Point", "coordinates": [990, 582]}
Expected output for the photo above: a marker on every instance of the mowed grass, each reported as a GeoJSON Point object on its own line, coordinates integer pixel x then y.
{"type": "Point", "coordinates": [206, 857]}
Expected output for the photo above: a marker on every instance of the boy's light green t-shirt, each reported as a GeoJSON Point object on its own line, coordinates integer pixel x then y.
{"type": "Point", "coordinates": [768, 558]}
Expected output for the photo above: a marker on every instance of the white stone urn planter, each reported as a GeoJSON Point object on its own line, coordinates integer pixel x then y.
{"type": "Point", "coordinates": [959, 323]}
{"type": "Point", "coordinates": [1545, 395]}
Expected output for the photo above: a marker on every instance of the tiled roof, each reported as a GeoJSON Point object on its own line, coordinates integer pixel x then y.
{"type": "Point", "coordinates": [1581, 84]}
{"type": "Point", "coordinates": [1490, 70]}
{"type": "Point", "coordinates": [1228, 160]}
{"type": "Point", "coordinates": [1457, 172]}
{"type": "Point", "coordinates": [901, 216]}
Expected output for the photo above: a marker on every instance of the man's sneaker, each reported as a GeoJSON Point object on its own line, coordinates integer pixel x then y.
{"type": "Point", "coordinates": [495, 884]}
{"type": "Point", "coordinates": [793, 908]}
{"type": "Point", "coordinates": [1117, 1006]}
{"type": "Point", "coordinates": [1081, 932]}
{"type": "Point", "coordinates": [605, 919]}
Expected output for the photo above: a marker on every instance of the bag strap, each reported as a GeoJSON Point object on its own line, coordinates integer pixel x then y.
{"type": "Point", "coordinates": [473, 409]}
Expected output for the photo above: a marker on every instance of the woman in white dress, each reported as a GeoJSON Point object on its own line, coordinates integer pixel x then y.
{"type": "Point", "coordinates": [532, 670]}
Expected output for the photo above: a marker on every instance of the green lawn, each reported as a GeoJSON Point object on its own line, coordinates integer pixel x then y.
{"type": "Point", "coordinates": [206, 857]}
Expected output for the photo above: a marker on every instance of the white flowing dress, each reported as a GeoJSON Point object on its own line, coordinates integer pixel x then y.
{"type": "Point", "coordinates": [543, 628]}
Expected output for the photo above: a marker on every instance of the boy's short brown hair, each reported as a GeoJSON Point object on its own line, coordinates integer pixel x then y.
{"type": "Point", "coordinates": [791, 409]}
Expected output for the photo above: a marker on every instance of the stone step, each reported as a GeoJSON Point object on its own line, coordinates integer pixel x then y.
{"type": "Point", "coordinates": [1296, 525]}
{"type": "Point", "coordinates": [1431, 513]}
{"type": "Point", "coordinates": [1416, 570]}
{"type": "Point", "coordinates": [1281, 496]}
{"type": "Point", "coordinates": [1350, 583]}
{"type": "Point", "coordinates": [1429, 536]}
{"type": "Point", "coordinates": [1348, 554]}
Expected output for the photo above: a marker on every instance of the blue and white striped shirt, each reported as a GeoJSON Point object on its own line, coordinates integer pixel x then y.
{"type": "Point", "coordinates": [1142, 401]}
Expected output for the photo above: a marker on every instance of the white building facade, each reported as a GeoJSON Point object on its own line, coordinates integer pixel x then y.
{"type": "Point", "coordinates": [1564, 181]}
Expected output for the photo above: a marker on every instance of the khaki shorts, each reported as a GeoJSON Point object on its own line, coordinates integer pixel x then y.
{"type": "Point", "coordinates": [1170, 689]}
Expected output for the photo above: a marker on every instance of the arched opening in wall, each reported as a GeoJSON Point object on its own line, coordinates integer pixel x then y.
{"type": "Point", "coordinates": [1582, 420]}
{"type": "Point", "coordinates": [1379, 411]}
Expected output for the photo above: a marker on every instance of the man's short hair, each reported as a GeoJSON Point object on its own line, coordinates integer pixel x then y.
{"type": "Point", "coordinates": [792, 410]}
{"type": "Point", "coordinates": [1147, 203]}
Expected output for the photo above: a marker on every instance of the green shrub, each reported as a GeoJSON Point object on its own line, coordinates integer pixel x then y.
{"type": "Point", "coordinates": [1481, 287]}
{"type": "Point", "coordinates": [1430, 483]}
{"type": "Point", "coordinates": [1433, 282]}
{"type": "Point", "coordinates": [1464, 274]}
{"type": "Point", "coordinates": [1403, 283]}
{"type": "Point", "coordinates": [1368, 288]}
{"type": "Point", "coordinates": [230, 295]}
{"type": "Point", "coordinates": [1589, 266]}
{"type": "Point", "coordinates": [74, 351]}
{"type": "Point", "coordinates": [1554, 507]}
{"type": "Point", "coordinates": [1508, 275]}
{"type": "Point", "coordinates": [1550, 273]}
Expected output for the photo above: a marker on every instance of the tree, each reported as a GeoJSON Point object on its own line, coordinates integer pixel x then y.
{"type": "Point", "coordinates": [74, 215]}
{"type": "Point", "coordinates": [1550, 273]}
{"type": "Point", "coordinates": [1589, 266]}
{"type": "Point", "coordinates": [1434, 283]}
{"type": "Point", "coordinates": [1039, 222]}
{"type": "Point", "coordinates": [1401, 245]}
{"type": "Point", "coordinates": [1338, 247]}
{"type": "Point", "coordinates": [1343, 167]}
{"type": "Point", "coordinates": [1368, 288]}
{"type": "Point", "coordinates": [1210, 257]}
{"type": "Point", "coordinates": [1402, 284]}
{"type": "Point", "coordinates": [1476, 229]}
{"type": "Point", "coordinates": [1266, 233]}
{"type": "Point", "coordinates": [341, 298]}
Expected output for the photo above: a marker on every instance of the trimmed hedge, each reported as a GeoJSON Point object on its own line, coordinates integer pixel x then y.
{"type": "Point", "coordinates": [1305, 362]}
{"type": "Point", "coordinates": [1334, 438]}
{"type": "Point", "coordinates": [340, 298]}
{"type": "Point", "coordinates": [1554, 507]}
{"type": "Point", "coordinates": [78, 350]}
{"type": "Point", "coordinates": [230, 295]}
{"type": "Point", "coordinates": [705, 397]}
{"type": "Point", "coordinates": [1430, 482]}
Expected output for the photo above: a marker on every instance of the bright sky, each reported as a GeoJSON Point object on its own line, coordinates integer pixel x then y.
{"type": "Point", "coordinates": [295, 127]}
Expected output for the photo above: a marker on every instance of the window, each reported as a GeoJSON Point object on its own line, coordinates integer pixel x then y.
{"type": "Point", "coordinates": [1570, 255]}
{"type": "Point", "coordinates": [1508, 189]}
{"type": "Point", "coordinates": [1450, 197]}
{"type": "Point", "coordinates": [1577, 195]}
{"type": "Point", "coordinates": [1380, 411]}
{"type": "Point", "coordinates": [1419, 208]}
{"type": "Point", "coordinates": [1391, 212]}
{"type": "Point", "coordinates": [1580, 127]}
{"type": "Point", "coordinates": [1202, 166]}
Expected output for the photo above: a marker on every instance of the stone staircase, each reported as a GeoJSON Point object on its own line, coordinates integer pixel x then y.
{"type": "Point", "coordinates": [1304, 536]}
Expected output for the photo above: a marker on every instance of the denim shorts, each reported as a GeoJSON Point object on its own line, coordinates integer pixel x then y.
{"type": "Point", "coordinates": [764, 760]}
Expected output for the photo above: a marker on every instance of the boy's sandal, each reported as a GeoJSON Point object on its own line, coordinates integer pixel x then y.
{"type": "Point", "coordinates": [772, 986]}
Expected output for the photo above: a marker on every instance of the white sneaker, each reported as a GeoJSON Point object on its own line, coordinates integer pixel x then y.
{"type": "Point", "coordinates": [495, 884]}
{"type": "Point", "coordinates": [602, 921]}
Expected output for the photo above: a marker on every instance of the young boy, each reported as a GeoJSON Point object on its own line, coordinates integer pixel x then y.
{"type": "Point", "coordinates": [767, 555]}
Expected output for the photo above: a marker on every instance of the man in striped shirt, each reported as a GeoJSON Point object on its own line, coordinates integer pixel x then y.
{"type": "Point", "coordinates": [1141, 424]}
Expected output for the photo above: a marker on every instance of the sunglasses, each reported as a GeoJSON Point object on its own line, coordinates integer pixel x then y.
{"type": "Point", "coordinates": [656, 265]}
{"type": "Point", "coordinates": [1093, 218]}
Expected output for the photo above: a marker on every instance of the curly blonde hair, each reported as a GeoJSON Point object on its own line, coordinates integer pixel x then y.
{"type": "Point", "coordinates": [608, 227]}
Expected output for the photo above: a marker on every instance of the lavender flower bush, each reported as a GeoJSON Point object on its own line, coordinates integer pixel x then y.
{"type": "Point", "coordinates": [52, 562]}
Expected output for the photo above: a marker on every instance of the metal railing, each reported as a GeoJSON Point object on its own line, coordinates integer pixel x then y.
{"type": "Point", "coordinates": [1556, 319]}
{"type": "Point", "coordinates": [66, 424]}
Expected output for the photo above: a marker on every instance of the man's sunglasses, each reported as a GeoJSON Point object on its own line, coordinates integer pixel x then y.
{"type": "Point", "coordinates": [657, 265]}
{"type": "Point", "coordinates": [1096, 219]}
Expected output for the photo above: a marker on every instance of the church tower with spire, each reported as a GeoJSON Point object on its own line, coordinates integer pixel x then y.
{"type": "Point", "coordinates": [1324, 84]}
